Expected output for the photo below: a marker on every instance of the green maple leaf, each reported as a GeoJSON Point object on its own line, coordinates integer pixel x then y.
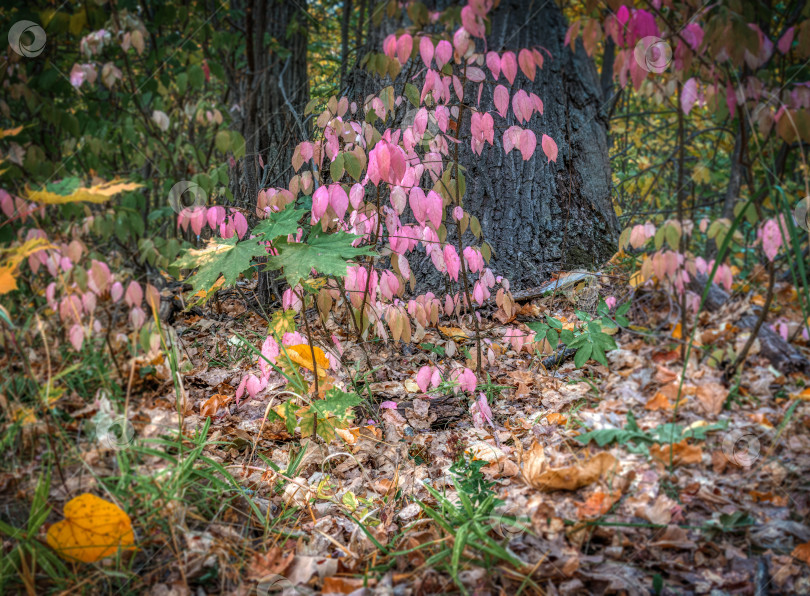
{"type": "Point", "coordinates": [326, 253]}
{"type": "Point", "coordinates": [230, 258]}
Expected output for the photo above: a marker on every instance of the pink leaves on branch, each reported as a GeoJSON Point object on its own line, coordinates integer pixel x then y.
{"type": "Point", "coordinates": [452, 261]}
{"type": "Point", "coordinates": [426, 207]}
{"type": "Point", "coordinates": [426, 50]}
{"type": "Point", "coordinates": [386, 163]}
{"type": "Point", "coordinates": [483, 130]}
{"type": "Point", "coordinates": [509, 66]}
{"type": "Point", "coordinates": [770, 236]}
{"type": "Point", "coordinates": [522, 139]}
{"type": "Point", "coordinates": [428, 377]}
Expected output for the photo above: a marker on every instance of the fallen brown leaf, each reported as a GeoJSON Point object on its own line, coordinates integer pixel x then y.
{"type": "Point", "coordinates": [212, 405]}
{"type": "Point", "coordinates": [712, 396]}
{"type": "Point", "coordinates": [538, 473]}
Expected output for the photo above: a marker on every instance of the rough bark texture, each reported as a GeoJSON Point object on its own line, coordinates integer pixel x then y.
{"type": "Point", "coordinates": [265, 117]}
{"type": "Point", "coordinates": [538, 217]}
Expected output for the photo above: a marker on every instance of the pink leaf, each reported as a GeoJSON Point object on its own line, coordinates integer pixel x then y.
{"type": "Point", "coordinates": [426, 50]}
{"type": "Point", "coordinates": [689, 95]}
{"type": "Point", "coordinates": [270, 351]}
{"type": "Point", "coordinates": [320, 203]}
{"type": "Point", "coordinates": [423, 378]}
{"type": "Point", "coordinates": [134, 294]}
{"type": "Point", "coordinates": [404, 48]}
{"type": "Point", "coordinates": [509, 66]}
{"type": "Point", "coordinates": [771, 239]}
{"type": "Point", "coordinates": [452, 261]}
{"type": "Point", "coordinates": [76, 336]}
{"type": "Point", "coordinates": [549, 148]}
{"type": "Point", "coordinates": [483, 407]}
{"type": "Point", "coordinates": [339, 200]}
{"type": "Point", "coordinates": [435, 208]}
{"type": "Point", "coordinates": [522, 106]}
{"type": "Point", "coordinates": [356, 195]}
{"type": "Point", "coordinates": [494, 64]}
{"type": "Point", "coordinates": [501, 98]}
{"type": "Point", "coordinates": [528, 143]}
{"type": "Point", "coordinates": [527, 65]}
{"type": "Point", "coordinates": [240, 224]}
{"type": "Point", "coordinates": [444, 51]}
{"type": "Point", "coordinates": [116, 291]}
{"type": "Point", "coordinates": [215, 216]}
{"type": "Point", "coordinates": [388, 405]}
{"type": "Point", "coordinates": [786, 41]}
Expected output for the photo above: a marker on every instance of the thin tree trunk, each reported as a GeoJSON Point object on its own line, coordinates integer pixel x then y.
{"type": "Point", "coordinates": [263, 115]}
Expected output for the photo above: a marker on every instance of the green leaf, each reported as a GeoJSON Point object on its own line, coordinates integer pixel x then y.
{"type": "Point", "coordinates": [230, 258]}
{"type": "Point", "coordinates": [412, 93]}
{"type": "Point", "coordinates": [553, 338]}
{"type": "Point", "coordinates": [336, 167]}
{"type": "Point", "coordinates": [555, 323]}
{"type": "Point", "coordinates": [326, 253]}
{"type": "Point", "coordinates": [336, 404]}
{"type": "Point", "coordinates": [352, 165]}
{"type": "Point", "coordinates": [582, 355]}
{"type": "Point", "coordinates": [227, 258]}
{"type": "Point", "coordinates": [223, 141]}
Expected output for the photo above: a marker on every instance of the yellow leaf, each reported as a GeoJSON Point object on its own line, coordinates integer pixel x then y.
{"type": "Point", "coordinates": [10, 132]}
{"type": "Point", "coordinates": [94, 194]}
{"type": "Point", "coordinates": [92, 529]}
{"type": "Point", "coordinates": [636, 279]}
{"type": "Point", "coordinates": [302, 356]}
{"type": "Point", "coordinates": [11, 258]}
{"type": "Point", "coordinates": [453, 333]}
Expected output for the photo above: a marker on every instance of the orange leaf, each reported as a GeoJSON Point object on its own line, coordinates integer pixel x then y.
{"type": "Point", "coordinates": [538, 473]}
{"type": "Point", "coordinates": [302, 356]}
{"type": "Point", "coordinates": [682, 453]}
{"type": "Point", "coordinates": [92, 529]}
{"type": "Point", "coordinates": [597, 505]}
{"type": "Point", "coordinates": [802, 552]}
{"type": "Point", "coordinates": [556, 418]}
{"type": "Point", "coordinates": [659, 402]}
{"type": "Point", "coordinates": [212, 405]}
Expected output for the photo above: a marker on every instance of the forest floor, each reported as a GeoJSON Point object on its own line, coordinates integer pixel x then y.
{"type": "Point", "coordinates": [703, 494]}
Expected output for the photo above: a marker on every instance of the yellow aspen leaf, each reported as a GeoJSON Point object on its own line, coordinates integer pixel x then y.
{"type": "Point", "coordinates": [302, 356]}
{"type": "Point", "coordinates": [94, 194]}
{"type": "Point", "coordinates": [636, 279]}
{"type": "Point", "coordinates": [92, 529]}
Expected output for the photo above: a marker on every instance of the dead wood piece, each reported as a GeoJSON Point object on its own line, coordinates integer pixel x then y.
{"type": "Point", "coordinates": [784, 357]}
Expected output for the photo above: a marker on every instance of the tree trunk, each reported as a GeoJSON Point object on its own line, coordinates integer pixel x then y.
{"type": "Point", "coordinates": [538, 217]}
{"type": "Point", "coordinates": [272, 92]}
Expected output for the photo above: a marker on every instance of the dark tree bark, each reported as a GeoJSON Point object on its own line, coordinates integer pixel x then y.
{"type": "Point", "coordinates": [272, 90]}
{"type": "Point", "coordinates": [538, 217]}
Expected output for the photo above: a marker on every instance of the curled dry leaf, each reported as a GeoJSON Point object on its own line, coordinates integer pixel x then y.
{"type": "Point", "coordinates": [92, 529]}
{"type": "Point", "coordinates": [538, 473]}
{"type": "Point", "coordinates": [212, 405]}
